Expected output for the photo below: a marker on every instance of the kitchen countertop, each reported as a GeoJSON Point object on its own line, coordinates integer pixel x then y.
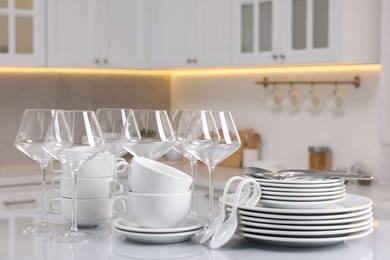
{"type": "Point", "coordinates": [111, 246]}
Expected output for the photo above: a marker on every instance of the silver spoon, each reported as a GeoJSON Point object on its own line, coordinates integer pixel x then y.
{"type": "Point", "coordinates": [228, 228]}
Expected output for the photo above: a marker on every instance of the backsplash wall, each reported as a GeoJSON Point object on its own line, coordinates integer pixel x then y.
{"type": "Point", "coordinates": [286, 135]}
{"type": "Point", "coordinates": [20, 91]}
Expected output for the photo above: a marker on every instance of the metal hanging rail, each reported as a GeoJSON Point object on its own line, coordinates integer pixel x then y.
{"type": "Point", "coordinates": [355, 81]}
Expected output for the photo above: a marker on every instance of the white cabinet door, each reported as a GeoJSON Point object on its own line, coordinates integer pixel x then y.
{"type": "Point", "coordinates": [305, 31]}
{"type": "Point", "coordinates": [190, 33]}
{"type": "Point", "coordinates": [22, 33]}
{"type": "Point", "coordinates": [98, 33]}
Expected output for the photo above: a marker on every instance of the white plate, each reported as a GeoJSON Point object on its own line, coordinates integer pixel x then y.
{"type": "Point", "coordinates": [299, 204]}
{"type": "Point", "coordinates": [304, 198]}
{"type": "Point", "coordinates": [303, 190]}
{"type": "Point", "coordinates": [299, 185]}
{"type": "Point", "coordinates": [188, 224]}
{"type": "Point", "coordinates": [300, 180]}
{"type": "Point", "coordinates": [161, 238]}
{"type": "Point", "coordinates": [309, 217]}
{"type": "Point", "coordinates": [302, 227]}
{"type": "Point", "coordinates": [304, 233]}
{"type": "Point", "coordinates": [305, 241]}
{"type": "Point", "coordinates": [350, 203]}
{"type": "Point", "coordinates": [293, 220]}
{"type": "Point", "coordinates": [301, 194]}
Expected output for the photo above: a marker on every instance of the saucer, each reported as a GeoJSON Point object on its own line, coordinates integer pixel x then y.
{"type": "Point", "coordinates": [157, 238]}
{"type": "Point", "coordinates": [189, 224]}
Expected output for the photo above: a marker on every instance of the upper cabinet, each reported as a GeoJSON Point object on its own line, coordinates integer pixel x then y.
{"type": "Point", "coordinates": [22, 33]}
{"type": "Point", "coordinates": [305, 31]}
{"type": "Point", "coordinates": [98, 33]}
{"type": "Point", "coordinates": [190, 33]}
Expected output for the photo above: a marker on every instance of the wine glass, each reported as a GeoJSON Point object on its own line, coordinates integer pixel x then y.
{"type": "Point", "coordinates": [211, 153]}
{"type": "Point", "coordinates": [112, 121]}
{"type": "Point", "coordinates": [74, 137]}
{"type": "Point", "coordinates": [29, 139]}
{"type": "Point", "coordinates": [180, 124]}
{"type": "Point", "coordinates": [148, 133]}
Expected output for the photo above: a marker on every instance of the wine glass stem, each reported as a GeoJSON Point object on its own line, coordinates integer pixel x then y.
{"type": "Point", "coordinates": [43, 195]}
{"type": "Point", "coordinates": [73, 227]}
{"type": "Point", "coordinates": [211, 194]}
{"type": "Point", "coordinates": [193, 210]}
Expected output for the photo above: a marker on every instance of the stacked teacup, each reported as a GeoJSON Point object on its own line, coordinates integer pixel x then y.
{"type": "Point", "coordinates": [159, 196]}
{"type": "Point", "coordinates": [96, 186]}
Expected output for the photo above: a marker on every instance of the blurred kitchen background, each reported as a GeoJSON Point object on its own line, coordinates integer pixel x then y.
{"type": "Point", "coordinates": [170, 54]}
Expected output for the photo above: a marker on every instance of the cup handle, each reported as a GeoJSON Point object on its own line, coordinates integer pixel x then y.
{"type": "Point", "coordinates": [56, 184]}
{"type": "Point", "coordinates": [116, 187]}
{"type": "Point", "coordinates": [52, 204]}
{"type": "Point", "coordinates": [122, 199]}
{"type": "Point", "coordinates": [122, 165]}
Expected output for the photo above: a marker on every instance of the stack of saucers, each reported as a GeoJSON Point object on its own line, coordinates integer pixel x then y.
{"type": "Point", "coordinates": [304, 212]}
{"type": "Point", "coordinates": [132, 231]}
{"type": "Point", "coordinates": [301, 192]}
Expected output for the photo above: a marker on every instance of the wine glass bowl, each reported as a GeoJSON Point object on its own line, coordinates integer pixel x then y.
{"type": "Point", "coordinates": [74, 137]}
{"type": "Point", "coordinates": [148, 133]}
{"type": "Point", "coordinates": [30, 140]}
{"type": "Point", "coordinates": [112, 121]}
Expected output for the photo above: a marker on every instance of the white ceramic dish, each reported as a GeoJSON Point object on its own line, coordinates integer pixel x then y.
{"type": "Point", "coordinates": [293, 220]}
{"type": "Point", "coordinates": [304, 233]}
{"type": "Point", "coordinates": [308, 217]}
{"type": "Point", "coordinates": [299, 185]}
{"type": "Point", "coordinates": [301, 194]}
{"type": "Point", "coordinates": [303, 190]}
{"type": "Point", "coordinates": [302, 181]}
{"type": "Point", "coordinates": [303, 199]}
{"type": "Point", "coordinates": [188, 224]}
{"type": "Point", "coordinates": [161, 238]}
{"type": "Point", "coordinates": [350, 203]}
{"type": "Point", "coordinates": [305, 241]}
{"type": "Point", "coordinates": [299, 204]}
{"type": "Point", "coordinates": [303, 227]}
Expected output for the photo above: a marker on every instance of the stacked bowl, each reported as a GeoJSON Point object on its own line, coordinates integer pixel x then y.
{"type": "Point", "coordinates": [96, 187]}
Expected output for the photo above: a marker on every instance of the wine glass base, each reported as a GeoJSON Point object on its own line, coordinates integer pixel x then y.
{"type": "Point", "coordinates": [41, 228]}
{"type": "Point", "coordinates": [73, 237]}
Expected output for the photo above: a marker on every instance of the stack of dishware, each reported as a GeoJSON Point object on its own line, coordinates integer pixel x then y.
{"type": "Point", "coordinates": [304, 212]}
{"type": "Point", "coordinates": [157, 205]}
{"type": "Point", "coordinates": [96, 187]}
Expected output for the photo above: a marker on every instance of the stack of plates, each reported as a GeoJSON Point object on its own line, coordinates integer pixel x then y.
{"type": "Point", "coordinates": [335, 222]}
{"type": "Point", "coordinates": [301, 192]}
{"type": "Point", "coordinates": [132, 231]}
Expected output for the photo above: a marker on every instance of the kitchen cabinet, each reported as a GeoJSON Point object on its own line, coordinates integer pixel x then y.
{"type": "Point", "coordinates": [22, 33]}
{"type": "Point", "coordinates": [97, 33]}
{"type": "Point", "coordinates": [305, 31]}
{"type": "Point", "coordinates": [190, 33]}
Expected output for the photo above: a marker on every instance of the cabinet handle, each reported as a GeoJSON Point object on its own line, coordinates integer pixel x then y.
{"type": "Point", "coordinates": [11, 203]}
{"type": "Point", "coordinates": [194, 60]}
{"type": "Point", "coordinates": [189, 60]}
{"type": "Point", "coordinates": [97, 61]}
{"type": "Point", "coordinates": [282, 56]}
{"type": "Point", "coordinates": [274, 56]}
{"type": "Point", "coordinates": [105, 61]}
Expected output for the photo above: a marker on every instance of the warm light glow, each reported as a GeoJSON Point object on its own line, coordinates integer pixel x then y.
{"type": "Point", "coordinates": [200, 71]}
{"type": "Point", "coordinates": [278, 69]}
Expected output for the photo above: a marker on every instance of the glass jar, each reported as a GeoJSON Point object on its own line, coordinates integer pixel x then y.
{"type": "Point", "coordinates": [319, 158]}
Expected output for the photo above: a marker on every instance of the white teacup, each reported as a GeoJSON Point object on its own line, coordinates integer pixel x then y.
{"type": "Point", "coordinates": [149, 176]}
{"type": "Point", "coordinates": [155, 210]}
{"type": "Point", "coordinates": [102, 165]}
{"type": "Point", "coordinates": [87, 188]}
{"type": "Point", "coordinates": [90, 212]}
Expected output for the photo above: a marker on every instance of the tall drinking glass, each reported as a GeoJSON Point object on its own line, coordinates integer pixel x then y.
{"type": "Point", "coordinates": [180, 124]}
{"type": "Point", "coordinates": [29, 139]}
{"type": "Point", "coordinates": [74, 137]}
{"type": "Point", "coordinates": [148, 133]}
{"type": "Point", "coordinates": [112, 121]}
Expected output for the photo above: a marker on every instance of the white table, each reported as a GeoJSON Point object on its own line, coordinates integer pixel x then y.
{"type": "Point", "coordinates": [14, 245]}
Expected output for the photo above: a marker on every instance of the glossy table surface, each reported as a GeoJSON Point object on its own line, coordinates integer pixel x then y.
{"type": "Point", "coordinates": [15, 245]}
